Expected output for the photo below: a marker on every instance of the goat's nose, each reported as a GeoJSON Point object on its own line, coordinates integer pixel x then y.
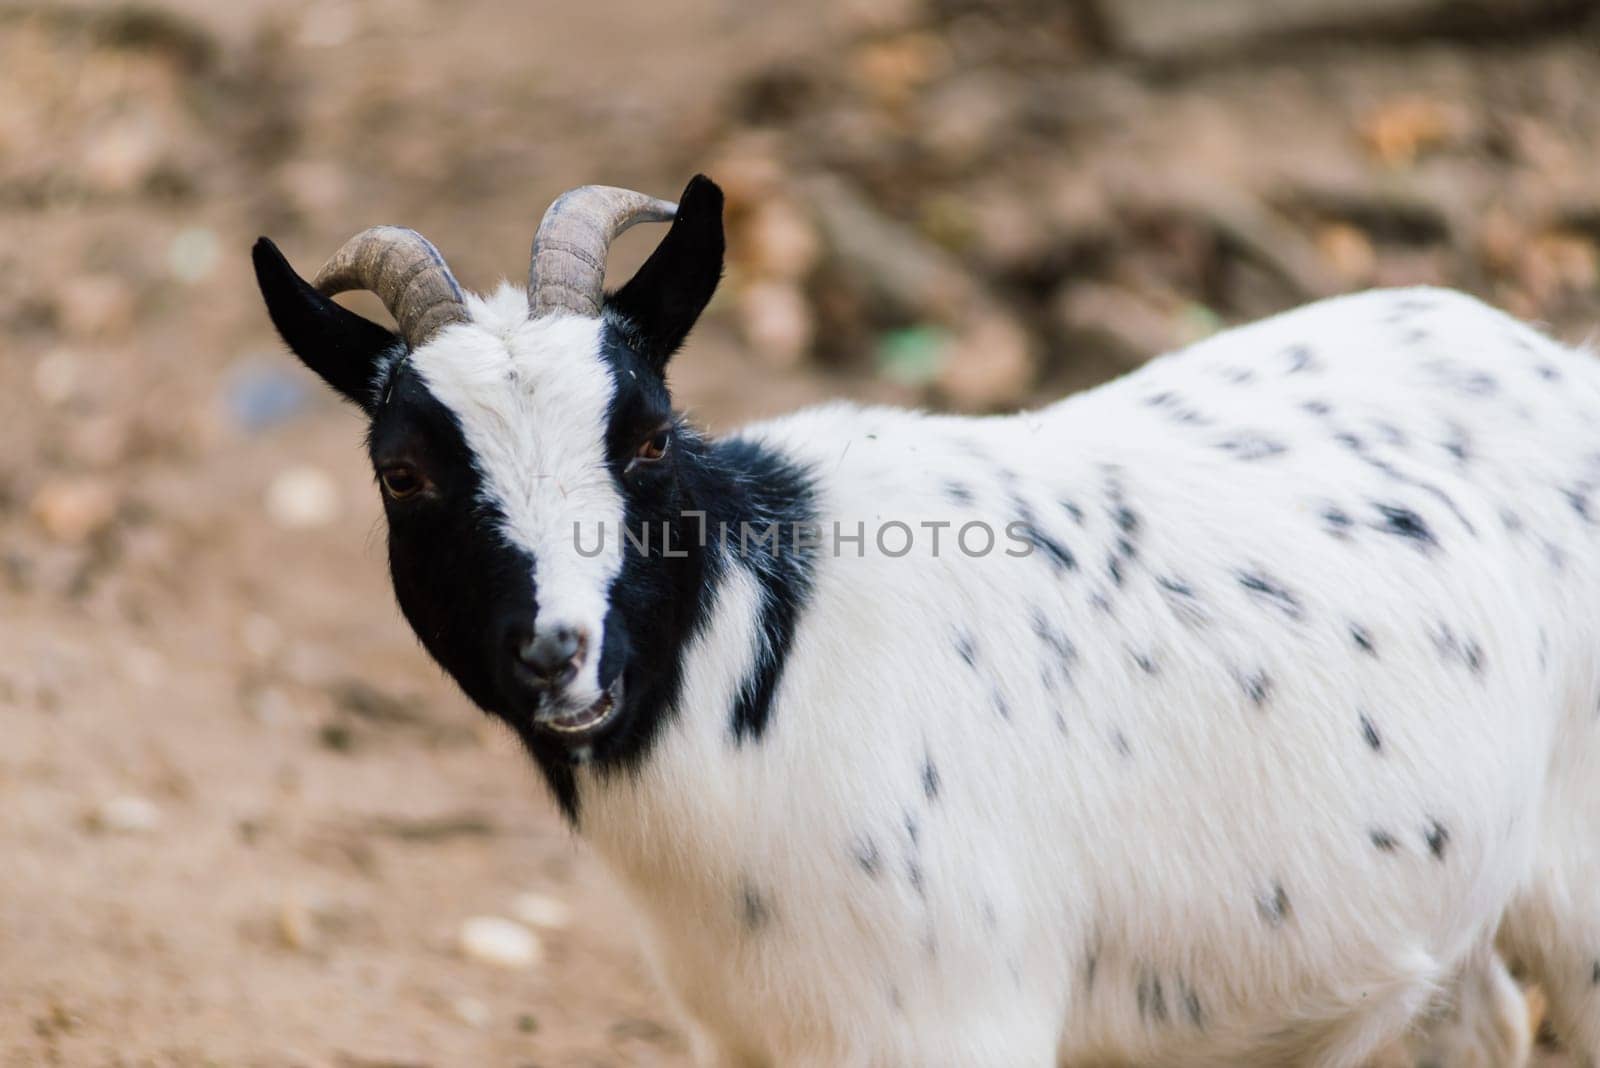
{"type": "Point", "coordinates": [553, 653]}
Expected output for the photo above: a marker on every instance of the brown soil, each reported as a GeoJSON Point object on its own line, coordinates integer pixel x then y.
{"type": "Point", "coordinates": [315, 811]}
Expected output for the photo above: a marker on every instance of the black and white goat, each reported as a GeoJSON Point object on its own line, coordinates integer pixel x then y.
{"type": "Point", "coordinates": [1222, 715]}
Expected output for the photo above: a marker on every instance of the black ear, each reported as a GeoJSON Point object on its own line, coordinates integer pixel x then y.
{"type": "Point", "coordinates": [333, 341]}
{"type": "Point", "coordinates": [663, 300]}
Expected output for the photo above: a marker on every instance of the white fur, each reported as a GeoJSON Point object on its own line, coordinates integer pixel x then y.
{"type": "Point", "coordinates": [531, 398]}
{"type": "Point", "coordinates": [1115, 829]}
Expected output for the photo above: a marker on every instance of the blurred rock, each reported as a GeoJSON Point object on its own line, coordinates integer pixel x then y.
{"type": "Point", "coordinates": [95, 306]}
{"type": "Point", "coordinates": [500, 942]}
{"type": "Point", "coordinates": [1130, 325]}
{"type": "Point", "coordinates": [1349, 252]}
{"type": "Point", "coordinates": [192, 256]}
{"type": "Point", "coordinates": [541, 910]}
{"type": "Point", "coordinates": [471, 1012]}
{"type": "Point", "coordinates": [260, 394]}
{"type": "Point", "coordinates": [57, 376]}
{"type": "Point", "coordinates": [74, 510]}
{"type": "Point", "coordinates": [1400, 130]}
{"type": "Point", "coordinates": [126, 815]}
{"type": "Point", "coordinates": [302, 498]}
{"type": "Point", "coordinates": [891, 70]}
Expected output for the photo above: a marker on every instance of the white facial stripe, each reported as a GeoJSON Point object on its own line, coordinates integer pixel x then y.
{"type": "Point", "coordinates": [532, 399]}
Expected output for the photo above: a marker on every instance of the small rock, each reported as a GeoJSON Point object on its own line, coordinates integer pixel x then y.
{"type": "Point", "coordinates": [57, 376]}
{"type": "Point", "coordinates": [500, 942]}
{"type": "Point", "coordinates": [74, 510]}
{"type": "Point", "coordinates": [193, 254]}
{"type": "Point", "coordinates": [1348, 251]}
{"type": "Point", "coordinates": [541, 910]}
{"type": "Point", "coordinates": [126, 815]}
{"type": "Point", "coordinates": [471, 1012]}
{"type": "Point", "coordinates": [302, 498]}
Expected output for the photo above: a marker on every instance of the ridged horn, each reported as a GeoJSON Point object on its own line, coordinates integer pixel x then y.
{"type": "Point", "coordinates": [566, 272]}
{"type": "Point", "coordinates": [406, 272]}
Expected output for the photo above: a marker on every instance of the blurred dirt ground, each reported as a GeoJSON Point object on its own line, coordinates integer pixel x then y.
{"type": "Point", "coordinates": [243, 822]}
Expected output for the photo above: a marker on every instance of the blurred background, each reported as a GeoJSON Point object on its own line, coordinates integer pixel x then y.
{"type": "Point", "coordinates": [243, 821]}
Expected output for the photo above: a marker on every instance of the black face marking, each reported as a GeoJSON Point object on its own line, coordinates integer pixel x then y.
{"type": "Point", "coordinates": [754, 911]}
{"type": "Point", "coordinates": [1151, 998]}
{"type": "Point", "coordinates": [1363, 639]}
{"type": "Point", "coordinates": [1438, 838]}
{"type": "Point", "coordinates": [1257, 687]}
{"type": "Point", "coordinates": [1274, 906]}
{"type": "Point", "coordinates": [930, 779]}
{"type": "Point", "coordinates": [1384, 841]}
{"type": "Point", "coordinates": [1251, 446]}
{"type": "Point", "coordinates": [1405, 523]}
{"type": "Point", "coordinates": [1272, 593]}
{"type": "Point", "coordinates": [959, 493]}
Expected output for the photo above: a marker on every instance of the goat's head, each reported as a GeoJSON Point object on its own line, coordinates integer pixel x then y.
{"type": "Point", "coordinates": [507, 431]}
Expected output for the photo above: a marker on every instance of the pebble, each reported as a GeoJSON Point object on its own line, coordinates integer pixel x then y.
{"type": "Point", "coordinates": [302, 498]}
{"type": "Point", "coordinates": [500, 942]}
{"type": "Point", "coordinates": [73, 510]}
{"type": "Point", "coordinates": [541, 910]}
{"type": "Point", "coordinates": [126, 815]}
{"type": "Point", "coordinates": [471, 1012]}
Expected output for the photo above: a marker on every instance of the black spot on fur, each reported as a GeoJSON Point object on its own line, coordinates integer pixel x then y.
{"type": "Point", "coordinates": [1183, 601]}
{"type": "Point", "coordinates": [1405, 523]}
{"type": "Point", "coordinates": [1274, 907]}
{"type": "Point", "coordinates": [1363, 639]}
{"type": "Point", "coordinates": [1072, 509]}
{"type": "Point", "coordinates": [930, 779]}
{"type": "Point", "coordinates": [1001, 706]}
{"type": "Point", "coordinates": [1152, 999]}
{"type": "Point", "coordinates": [1060, 557]}
{"type": "Point", "coordinates": [959, 493]}
{"type": "Point", "coordinates": [1126, 519]}
{"type": "Point", "coordinates": [867, 857]}
{"type": "Point", "coordinates": [1119, 742]}
{"type": "Point", "coordinates": [1273, 593]}
{"type": "Point", "coordinates": [966, 650]}
{"type": "Point", "coordinates": [1383, 840]}
{"type": "Point", "coordinates": [1316, 407]}
{"type": "Point", "coordinates": [754, 912]}
{"type": "Point", "coordinates": [1251, 446]}
{"type": "Point", "coordinates": [1594, 977]}
{"type": "Point", "coordinates": [1337, 521]}
{"type": "Point", "coordinates": [1257, 687]}
{"type": "Point", "coordinates": [1578, 500]}
{"type": "Point", "coordinates": [1299, 358]}
{"type": "Point", "coordinates": [1438, 837]}
{"type": "Point", "coordinates": [1369, 731]}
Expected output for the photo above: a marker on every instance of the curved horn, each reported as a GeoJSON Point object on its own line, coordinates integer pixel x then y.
{"type": "Point", "coordinates": [566, 273]}
{"type": "Point", "coordinates": [406, 272]}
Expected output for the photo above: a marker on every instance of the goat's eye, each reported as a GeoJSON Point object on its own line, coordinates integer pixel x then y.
{"type": "Point", "coordinates": [400, 481]}
{"type": "Point", "coordinates": [654, 447]}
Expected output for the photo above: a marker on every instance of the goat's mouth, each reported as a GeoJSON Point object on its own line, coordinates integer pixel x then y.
{"type": "Point", "coordinates": [572, 723]}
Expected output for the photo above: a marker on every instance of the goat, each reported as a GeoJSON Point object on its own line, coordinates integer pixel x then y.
{"type": "Point", "coordinates": [1220, 715]}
